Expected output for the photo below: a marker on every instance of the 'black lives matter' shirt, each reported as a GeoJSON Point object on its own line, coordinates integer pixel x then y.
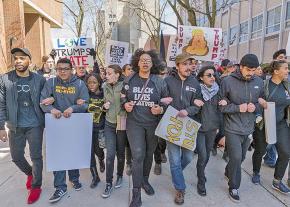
{"type": "Point", "coordinates": [141, 113]}
{"type": "Point", "coordinates": [281, 99]}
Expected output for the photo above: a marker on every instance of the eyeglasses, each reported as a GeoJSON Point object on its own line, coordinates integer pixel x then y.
{"type": "Point", "coordinates": [63, 69]}
{"type": "Point", "coordinates": [210, 75]}
{"type": "Point", "coordinates": [145, 61]}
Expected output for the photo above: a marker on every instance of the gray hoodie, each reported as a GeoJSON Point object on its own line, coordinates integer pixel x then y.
{"type": "Point", "coordinates": [236, 90]}
{"type": "Point", "coordinates": [65, 94]}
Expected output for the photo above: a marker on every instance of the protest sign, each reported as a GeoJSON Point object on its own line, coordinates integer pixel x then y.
{"type": "Point", "coordinates": [270, 123]}
{"type": "Point", "coordinates": [116, 52]}
{"type": "Point", "coordinates": [68, 141]}
{"type": "Point", "coordinates": [172, 51]}
{"type": "Point", "coordinates": [75, 49]}
{"type": "Point", "coordinates": [202, 42]}
{"type": "Point", "coordinates": [177, 130]}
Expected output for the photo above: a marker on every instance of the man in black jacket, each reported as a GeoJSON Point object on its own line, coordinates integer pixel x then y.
{"type": "Point", "coordinates": [242, 90]}
{"type": "Point", "coordinates": [19, 108]}
{"type": "Point", "coordinates": [185, 91]}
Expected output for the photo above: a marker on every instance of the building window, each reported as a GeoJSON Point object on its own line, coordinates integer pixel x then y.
{"type": "Point", "coordinates": [257, 26]}
{"type": "Point", "coordinates": [244, 31]}
{"type": "Point", "coordinates": [288, 15]}
{"type": "Point", "coordinates": [273, 20]}
{"type": "Point", "coordinates": [233, 35]}
{"type": "Point", "coordinates": [225, 39]}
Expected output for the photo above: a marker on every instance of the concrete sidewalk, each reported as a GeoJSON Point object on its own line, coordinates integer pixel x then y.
{"type": "Point", "coordinates": [13, 192]}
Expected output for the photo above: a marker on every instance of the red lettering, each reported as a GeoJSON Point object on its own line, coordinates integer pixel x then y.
{"type": "Point", "coordinates": [84, 60]}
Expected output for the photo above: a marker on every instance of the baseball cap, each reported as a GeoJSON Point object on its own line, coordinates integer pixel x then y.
{"type": "Point", "coordinates": [183, 57]}
{"type": "Point", "coordinates": [23, 50]}
{"type": "Point", "coordinates": [250, 60]}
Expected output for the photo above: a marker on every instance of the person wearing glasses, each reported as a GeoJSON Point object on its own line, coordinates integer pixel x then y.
{"type": "Point", "coordinates": [59, 97]}
{"type": "Point", "coordinates": [141, 97]}
{"type": "Point", "coordinates": [210, 122]}
{"type": "Point", "coordinates": [243, 91]}
{"type": "Point", "coordinates": [19, 108]}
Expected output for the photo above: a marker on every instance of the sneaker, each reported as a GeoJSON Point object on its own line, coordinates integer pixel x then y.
{"type": "Point", "coordinates": [279, 186]}
{"type": "Point", "coordinates": [234, 195]}
{"type": "Point", "coordinates": [33, 195]}
{"type": "Point", "coordinates": [58, 194]}
{"type": "Point", "coordinates": [102, 166]}
{"type": "Point", "coordinates": [108, 190]}
{"type": "Point", "coordinates": [201, 190]}
{"type": "Point", "coordinates": [119, 181]}
{"type": "Point", "coordinates": [256, 178]}
{"type": "Point", "coordinates": [179, 197]}
{"type": "Point", "coordinates": [29, 182]}
{"type": "Point", "coordinates": [77, 185]}
{"type": "Point", "coordinates": [148, 188]}
{"type": "Point", "coordinates": [157, 169]}
{"type": "Point", "coordinates": [129, 169]}
{"type": "Point", "coordinates": [163, 158]}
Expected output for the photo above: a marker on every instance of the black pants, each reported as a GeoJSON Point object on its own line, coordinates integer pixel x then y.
{"type": "Point", "coordinates": [204, 145]}
{"type": "Point", "coordinates": [260, 148]}
{"type": "Point", "coordinates": [283, 149]}
{"type": "Point", "coordinates": [237, 147]}
{"type": "Point", "coordinates": [96, 150]}
{"type": "Point", "coordinates": [143, 144]}
{"type": "Point", "coordinates": [17, 142]}
{"type": "Point", "coordinates": [115, 142]}
{"type": "Point", "coordinates": [128, 152]}
{"type": "Point", "coordinates": [160, 149]}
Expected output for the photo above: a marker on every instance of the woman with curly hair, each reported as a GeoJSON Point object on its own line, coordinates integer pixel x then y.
{"type": "Point", "coordinates": [141, 96]}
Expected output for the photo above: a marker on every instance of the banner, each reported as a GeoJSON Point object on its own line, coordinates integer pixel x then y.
{"type": "Point", "coordinates": [177, 130]}
{"type": "Point", "coordinates": [172, 51]}
{"type": "Point", "coordinates": [202, 42]}
{"type": "Point", "coordinates": [75, 49]}
{"type": "Point", "coordinates": [117, 53]}
{"type": "Point", "coordinates": [270, 123]}
{"type": "Point", "coordinates": [68, 141]}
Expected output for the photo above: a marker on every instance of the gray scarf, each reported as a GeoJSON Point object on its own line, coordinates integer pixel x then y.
{"type": "Point", "coordinates": [208, 93]}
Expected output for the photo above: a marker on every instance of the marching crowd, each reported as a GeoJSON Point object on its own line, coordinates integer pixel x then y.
{"type": "Point", "coordinates": [127, 104]}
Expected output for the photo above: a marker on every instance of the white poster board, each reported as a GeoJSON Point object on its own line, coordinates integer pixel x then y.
{"type": "Point", "coordinates": [202, 42]}
{"type": "Point", "coordinates": [177, 130]}
{"type": "Point", "coordinates": [68, 141]}
{"type": "Point", "coordinates": [75, 49]}
{"type": "Point", "coordinates": [270, 123]}
{"type": "Point", "coordinates": [172, 51]}
{"type": "Point", "coordinates": [117, 53]}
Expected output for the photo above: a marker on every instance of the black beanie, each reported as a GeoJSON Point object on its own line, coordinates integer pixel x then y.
{"type": "Point", "coordinates": [250, 61]}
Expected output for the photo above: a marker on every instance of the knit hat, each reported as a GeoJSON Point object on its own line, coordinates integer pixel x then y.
{"type": "Point", "coordinates": [250, 61]}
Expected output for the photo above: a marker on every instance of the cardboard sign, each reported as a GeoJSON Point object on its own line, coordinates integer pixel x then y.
{"type": "Point", "coordinates": [75, 49]}
{"type": "Point", "coordinates": [202, 42]}
{"type": "Point", "coordinates": [68, 141]}
{"type": "Point", "coordinates": [270, 123]}
{"type": "Point", "coordinates": [177, 130]}
{"type": "Point", "coordinates": [117, 53]}
{"type": "Point", "coordinates": [172, 51]}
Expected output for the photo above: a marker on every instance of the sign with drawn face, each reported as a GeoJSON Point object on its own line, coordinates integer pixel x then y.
{"type": "Point", "coordinates": [202, 42]}
{"type": "Point", "coordinates": [177, 130]}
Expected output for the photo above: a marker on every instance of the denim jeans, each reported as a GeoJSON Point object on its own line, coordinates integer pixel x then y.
{"type": "Point", "coordinates": [179, 158]}
{"type": "Point", "coordinates": [271, 155]}
{"type": "Point", "coordinates": [60, 178]}
{"type": "Point", "coordinates": [115, 142]}
{"type": "Point", "coordinates": [17, 143]}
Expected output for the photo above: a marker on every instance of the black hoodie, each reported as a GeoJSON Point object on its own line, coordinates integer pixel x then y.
{"type": "Point", "coordinates": [184, 93]}
{"type": "Point", "coordinates": [236, 90]}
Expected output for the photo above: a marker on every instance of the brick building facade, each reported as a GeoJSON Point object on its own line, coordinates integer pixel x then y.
{"type": "Point", "coordinates": [27, 23]}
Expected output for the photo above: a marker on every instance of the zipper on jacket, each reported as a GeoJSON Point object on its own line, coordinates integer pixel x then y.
{"type": "Point", "coordinates": [181, 95]}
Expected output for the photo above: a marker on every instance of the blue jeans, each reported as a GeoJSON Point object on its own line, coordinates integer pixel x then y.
{"type": "Point", "coordinates": [60, 178]}
{"type": "Point", "coordinates": [270, 157]}
{"type": "Point", "coordinates": [179, 158]}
